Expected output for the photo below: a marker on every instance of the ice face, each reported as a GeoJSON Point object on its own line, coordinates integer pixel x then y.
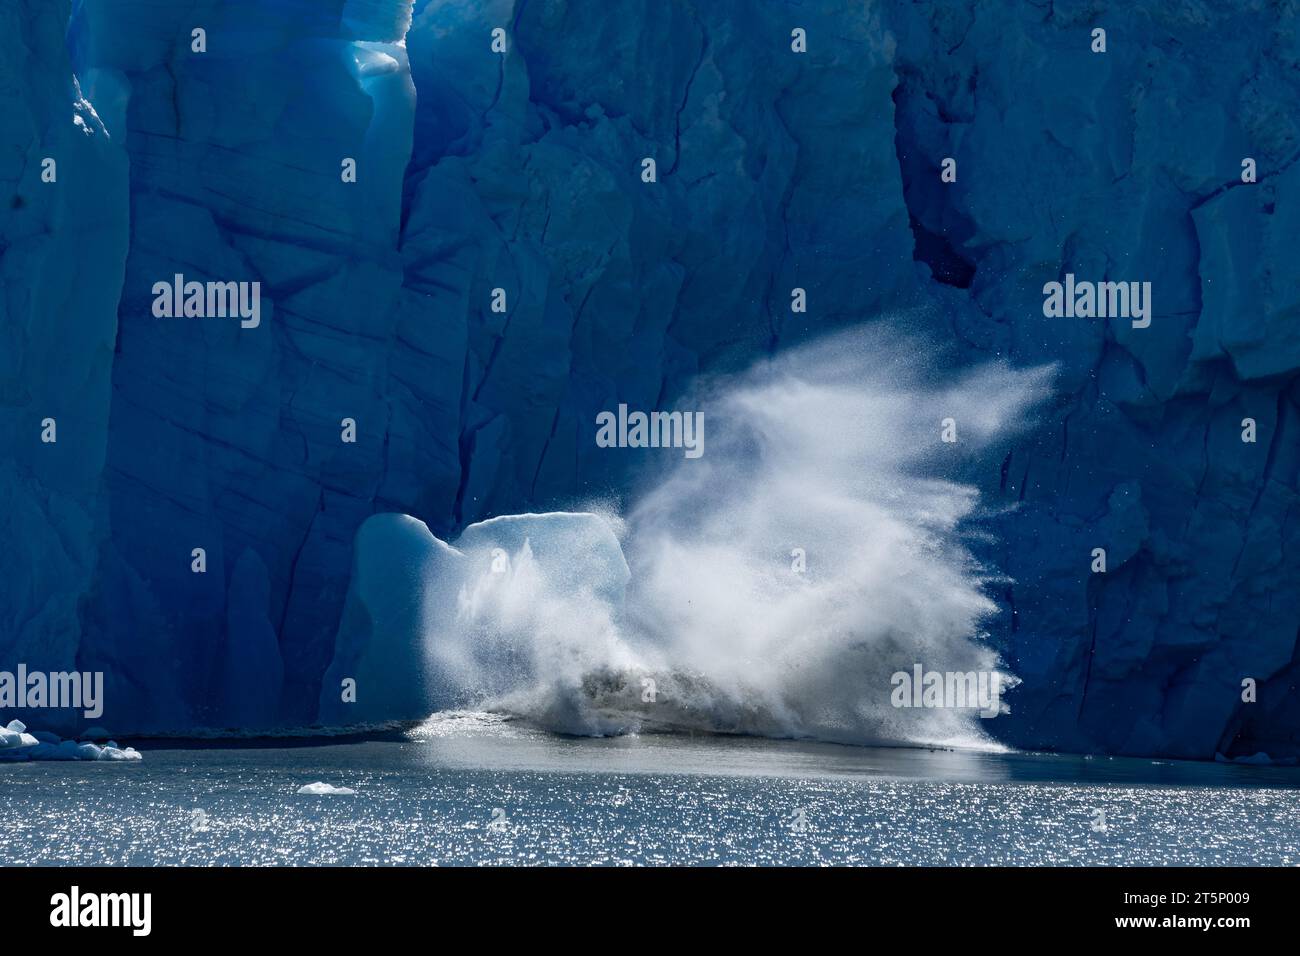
{"type": "Point", "coordinates": [520, 171]}
{"type": "Point", "coordinates": [380, 669]}
{"type": "Point", "coordinates": [63, 240]}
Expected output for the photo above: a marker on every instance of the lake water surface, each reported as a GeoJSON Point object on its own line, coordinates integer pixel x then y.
{"type": "Point", "coordinates": [472, 789]}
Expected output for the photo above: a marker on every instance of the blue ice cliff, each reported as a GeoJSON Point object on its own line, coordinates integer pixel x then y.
{"type": "Point", "coordinates": [516, 178]}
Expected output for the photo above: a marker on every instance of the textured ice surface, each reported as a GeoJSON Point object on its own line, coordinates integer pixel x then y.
{"type": "Point", "coordinates": [520, 171]}
{"type": "Point", "coordinates": [62, 249]}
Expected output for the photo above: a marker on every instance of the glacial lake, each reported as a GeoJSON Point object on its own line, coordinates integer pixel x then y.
{"type": "Point", "coordinates": [471, 789]}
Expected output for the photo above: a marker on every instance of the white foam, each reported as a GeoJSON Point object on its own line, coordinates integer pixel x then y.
{"type": "Point", "coordinates": [834, 449]}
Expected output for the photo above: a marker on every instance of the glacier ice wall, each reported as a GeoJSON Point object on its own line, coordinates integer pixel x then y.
{"type": "Point", "coordinates": [479, 171]}
{"type": "Point", "coordinates": [64, 234]}
{"type": "Point", "coordinates": [1127, 165]}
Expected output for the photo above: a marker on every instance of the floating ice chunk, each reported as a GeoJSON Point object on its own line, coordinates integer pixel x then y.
{"type": "Point", "coordinates": [319, 789]}
{"type": "Point", "coordinates": [1261, 758]}
{"type": "Point", "coordinates": [15, 736]}
{"type": "Point", "coordinates": [17, 744]}
{"type": "Point", "coordinates": [63, 751]}
{"type": "Point", "coordinates": [117, 753]}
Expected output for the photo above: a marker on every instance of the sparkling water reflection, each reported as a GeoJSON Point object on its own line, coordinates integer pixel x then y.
{"type": "Point", "coordinates": [470, 790]}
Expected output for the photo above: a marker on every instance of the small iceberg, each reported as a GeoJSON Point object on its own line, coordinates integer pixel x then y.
{"type": "Point", "coordinates": [319, 789]}
{"type": "Point", "coordinates": [15, 737]}
{"type": "Point", "coordinates": [17, 744]}
{"type": "Point", "coordinates": [1260, 759]}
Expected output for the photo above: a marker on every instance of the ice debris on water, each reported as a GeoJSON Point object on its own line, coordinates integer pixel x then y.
{"type": "Point", "coordinates": [319, 789]}
{"type": "Point", "coordinates": [17, 744]}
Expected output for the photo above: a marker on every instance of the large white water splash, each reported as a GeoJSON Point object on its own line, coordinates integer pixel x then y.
{"type": "Point", "coordinates": [832, 452]}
